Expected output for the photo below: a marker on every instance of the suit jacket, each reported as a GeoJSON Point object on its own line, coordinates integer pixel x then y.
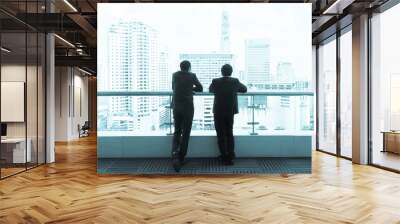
{"type": "Point", "coordinates": [225, 90]}
{"type": "Point", "coordinates": [183, 85]}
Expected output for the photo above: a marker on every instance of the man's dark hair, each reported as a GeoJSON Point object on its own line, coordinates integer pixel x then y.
{"type": "Point", "coordinates": [226, 70]}
{"type": "Point", "coordinates": [185, 66]}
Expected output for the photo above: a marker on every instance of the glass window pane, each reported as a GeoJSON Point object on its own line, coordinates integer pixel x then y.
{"type": "Point", "coordinates": [14, 153]}
{"type": "Point", "coordinates": [386, 89]}
{"type": "Point", "coordinates": [327, 97]}
{"type": "Point", "coordinates": [32, 95]}
{"type": "Point", "coordinates": [346, 94]}
{"type": "Point", "coordinates": [139, 55]}
{"type": "Point", "coordinates": [41, 99]}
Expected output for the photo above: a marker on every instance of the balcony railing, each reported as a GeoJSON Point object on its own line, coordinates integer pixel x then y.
{"type": "Point", "coordinates": [169, 93]}
{"type": "Point", "coordinates": [289, 111]}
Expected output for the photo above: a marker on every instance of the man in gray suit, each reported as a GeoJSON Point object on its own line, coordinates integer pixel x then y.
{"type": "Point", "coordinates": [225, 90]}
{"type": "Point", "coordinates": [184, 83]}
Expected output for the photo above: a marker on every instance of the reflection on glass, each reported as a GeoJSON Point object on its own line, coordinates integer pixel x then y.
{"type": "Point", "coordinates": [346, 94]}
{"type": "Point", "coordinates": [327, 97]}
{"type": "Point", "coordinates": [32, 101]}
{"type": "Point", "coordinates": [14, 153]}
{"type": "Point", "coordinates": [22, 69]}
{"type": "Point", "coordinates": [385, 87]}
{"type": "Point", "coordinates": [41, 99]}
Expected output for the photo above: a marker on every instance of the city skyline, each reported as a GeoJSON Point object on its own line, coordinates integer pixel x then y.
{"type": "Point", "coordinates": [199, 34]}
{"type": "Point", "coordinates": [137, 59]}
{"type": "Point", "coordinates": [257, 60]}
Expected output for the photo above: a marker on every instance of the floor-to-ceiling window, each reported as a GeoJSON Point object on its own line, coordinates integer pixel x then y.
{"type": "Point", "coordinates": [385, 89]}
{"type": "Point", "coordinates": [334, 63]}
{"type": "Point", "coordinates": [22, 77]}
{"type": "Point", "coordinates": [254, 58]}
{"type": "Point", "coordinates": [346, 93]}
{"type": "Point", "coordinates": [327, 95]}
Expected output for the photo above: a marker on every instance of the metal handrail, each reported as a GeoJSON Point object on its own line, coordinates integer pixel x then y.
{"type": "Point", "coordinates": [253, 123]}
{"type": "Point", "coordinates": [169, 93]}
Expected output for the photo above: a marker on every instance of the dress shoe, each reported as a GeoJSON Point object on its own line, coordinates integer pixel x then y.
{"type": "Point", "coordinates": [221, 158]}
{"type": "Point", "coordinates": [176, 163]}
{"type": "Point", "coordinates": [225, 161]}
{"type": "Point", "coordinates": [228, 162]}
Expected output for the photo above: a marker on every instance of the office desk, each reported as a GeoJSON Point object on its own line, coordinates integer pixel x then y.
{"type": "Point", "coordinates": [13, 150]}
{"type": "Point", "coordinates": [391, 141]}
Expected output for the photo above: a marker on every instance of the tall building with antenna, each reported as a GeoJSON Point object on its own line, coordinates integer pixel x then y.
{"type": "Point", "coordinates": [225, 44]}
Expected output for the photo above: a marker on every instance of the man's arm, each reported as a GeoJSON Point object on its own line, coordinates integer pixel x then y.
{"type": "Point", "coordinates": [211, 89]}
{"type": "Point", "coordinates": [173, 81]}
{"type": "Point", "coordinates": [197, 85]}
{"type": "Point", "coordinates": [241, 88]}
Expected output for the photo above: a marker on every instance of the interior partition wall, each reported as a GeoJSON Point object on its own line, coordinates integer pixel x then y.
{"type": "Point", "coordinates": [334, 106]}
{"type": "Point", "coordinates": [22, 77]}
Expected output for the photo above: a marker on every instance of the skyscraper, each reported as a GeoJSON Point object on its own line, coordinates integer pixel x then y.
{"type": "Point", "coordinates": [284, 72]}
{"type": "Point", "coordinates": [225, 33]}
{"type": "Point", "coordinates": [257, 62]}
{"type": "Point", "coordinates": [328, 112]}
{"type": "Point", "coordinates": [164, 84]}
{"type": "Point", "coordinates": [164, 80]}
{"type": "Point", "coordinates": [131, 70]}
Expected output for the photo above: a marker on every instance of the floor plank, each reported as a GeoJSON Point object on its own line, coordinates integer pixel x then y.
{"type": "Point", "coordinates": [70, 191]}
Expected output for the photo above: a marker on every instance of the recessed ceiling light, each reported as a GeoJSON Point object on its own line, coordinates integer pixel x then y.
{"type": "Point", "coordinates": [5, 50]}
{"type": "Point", "coordinates": [70, 5]}
{"type": "Point", "coordinates": [64, 40]}
{"type": "Point", "coordinates": [337, 7]}
{"type": "Point", "coordinates": [84, 71]}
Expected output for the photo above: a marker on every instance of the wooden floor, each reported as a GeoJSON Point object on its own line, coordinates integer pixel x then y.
{"type": "Point", "coordinates": [5, 172]}
{"type": "Point", "coordinates": [70, 191]}
{"type": "Point", "coordinates": [386, 159]}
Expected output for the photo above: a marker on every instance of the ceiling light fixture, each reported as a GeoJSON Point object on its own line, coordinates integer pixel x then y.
{"type": "Point", "coordinates": [84, 71]}
{"type": "Point", "coordinates": [64, 40]}
{"type": "Point", "coordinates": [337, 7]}
{"type": "Point", "coordinates": [5, 50]}
{"type": "Point", "coordinates": [70, 5]}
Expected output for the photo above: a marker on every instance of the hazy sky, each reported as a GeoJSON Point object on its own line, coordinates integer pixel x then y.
{"type": "Point", "coordinates": [196, 28]}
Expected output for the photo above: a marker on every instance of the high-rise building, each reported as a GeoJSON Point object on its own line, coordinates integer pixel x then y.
{"type": "Point", "coordinates": [225, 43]}
{"type": "Point", "coordinates": [284, 72]}
{"type": "Point", "coordinates": [164, 84]}
{"type": "Point", "coordinates": [207, 67]}
{"type": "Point", "coordinates": [164, 75]}
{"type": "Point", "coordinates": [257, 62]}
{"type": "Point", "coordinates": [131, 70]}
{"type": "Point", "coordinates": [328, 112]}
{"type": "Point", "coordinates": [242, 77]}
{"type": "Point", "coordinates": [284, 77]}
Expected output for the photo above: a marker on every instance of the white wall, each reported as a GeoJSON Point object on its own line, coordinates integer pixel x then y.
{"type": "Point", "coordinates": [71, 102]}
{"type": "Point", "coordinates": [80, 110]}
{"type": "Point", "coordinates": [16, 73]}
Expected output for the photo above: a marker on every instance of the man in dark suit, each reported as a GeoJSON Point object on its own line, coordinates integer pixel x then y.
{"type": "Point", "coordinates": [184, 83]}
{"type": "Point", "coordinates": [225, 90]}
